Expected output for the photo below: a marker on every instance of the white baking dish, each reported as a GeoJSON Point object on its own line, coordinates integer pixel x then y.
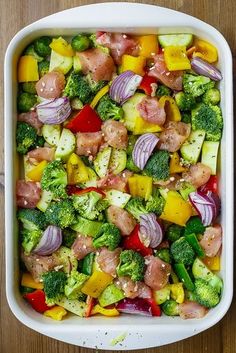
{"type": "Point", "coordinates": [136, 331]}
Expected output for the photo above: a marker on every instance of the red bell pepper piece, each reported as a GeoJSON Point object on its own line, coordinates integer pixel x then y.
{"type": "Point", "coordinates": [147, 84]}
{"type": "Point", "coordinates": [90, 301]}
{"type": "Point", "coordinates": [74, 190]}
{"type": "Point", "coordinates": [37, 300]}
{"type": "Point", "coordinates": [132, 242]}
{"type": "Point", "coordinates": [211, 185]}
{"type": "Point", "coordinates": [87, 120]}
{"type": "Point", "coordinates": [155, 308]}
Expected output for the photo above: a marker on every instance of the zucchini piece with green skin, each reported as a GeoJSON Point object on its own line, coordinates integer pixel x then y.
{"type": "Point", "coordinates": [73, 305]}
{"type": "Point", "coordinates": [209, 155]}
{"type": "Point", "coordinates": [200, 270]}
{"type": "Point", "coordinates": [86, 227]}
{"type": "Point", "coordinates": [87, 264]}
{"type": "Point", "coordinates": [183, 275]}
{"type": "Point", "coordinates": [46, 198]}
{"type": "Point", "coordinates": [101, 162]}
{"type": "Point", "coordinates": [130, 110]}
{"type": "Point", "coordinates": [117, 198]}
{"type": "Point", "coordinates": [167, 40]}
{"type": "Point", "coordinates": [191, 148]}
{"type": "Point", "coordinates": [51, 134]}
{"type": "Point", "coordinates": [92, 182]}
{"type": "Point", "coordinates": [110, 295]}
{"type": "Point", "coordinates": [77, 64]}
{"type": "Point", "coordinates": [60, 62]}
{"type": "Point", "coordinates": [117, 161]}
{"type": "Point", "coordinates": [162, 295]}
{"type": "Point", "coordinates": [66, 145]}
{"type": "Point", "coordinates": [193, 241]}
{"type": "Point", "coordinates": [186, 189]}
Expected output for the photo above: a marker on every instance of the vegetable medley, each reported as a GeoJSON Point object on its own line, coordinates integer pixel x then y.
{"type": "Point", "coordinates": [118, 206]}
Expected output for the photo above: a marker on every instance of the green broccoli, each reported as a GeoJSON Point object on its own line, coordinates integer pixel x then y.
{"type": "Point", "coordinates": [155, 204]}
{"type": "Point", "coordinates": [29, 239]}
{"type": "Point", "coordinates": [212, 96]}
{"type": "Point", "coordinates": [185, 101]}
{"type": "Point", "coordinates": [74, 284]}
{"type": "Point", "coordinates": [65, 259]}
{"type": "Point", "coordinates": [109, 109]}
{"type": "Point", "coordinates": [80, 42]}
{"type": "Point", "coordinates": [43, 68]}
{"type": "Point", "coordinates": [136, 207]}
{"type": "Point", "coordinates": [108, 236]}
{"type": "Point", "coordinates": [29, 87]}
{"type": "Point", "coordinates": [196, 85]}
{"type": "Point", "coordinates": [31, 51]}
{"type": "Point", "coordinates": [170, 308]}
{"type": "Point", "coordinates": [54, 179]}
{"type": "Point", "coordinates": [208, 118]}
{"type": "Point", "coordinates": [89, 205]}
{"type": "Point", "coordinates": [205, 294]}
{"type": "Point", "coordinates": [54, 283]}
{"type": "Point", "coordinates": [164, 255]}
{"type": "Point", "coordinates": [39, 142]}
{"type": "Point", "coordinates": [94, 85]}
{"type": "Point", "coordinates": [194, 225]}
{"type": "Point", "coordinates": [68, 237]}
{"type": "Point", "coordinates": [131, 264]}
{"type": "Point", "coordinates": [26, 137]}
{"type": "Point", "coordinates": [61, 213]}
{"type": "Point", "coordinates": [32, 219]}
{"type": "Point", "coordinates": [163, 90]}
{"type": "Point", "coordinates": [93, 39]}
{"type": "Point", "coordinates": [130, 165]}
{"type": "Point", "coordinates": [174, 232]}
{"type": "Point", "coordinates": [25, 101]}
{"type": "Point", "coordinates": [157, 166]}
{"type": "Point", "coordinates": [131, 142]}
{"type": "Point", "coordinates": [77, 86]}
{"type": "Point", "coordinates": [186, 118]}
{"type": "Point", "coordinates": [42, 46]}
{"type": "Point", "coordinates": [182, 252]}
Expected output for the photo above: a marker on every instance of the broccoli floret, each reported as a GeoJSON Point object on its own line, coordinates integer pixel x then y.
{"type": "Point", "coordinates": [185, 101]}
{"type": "Point", "coordinates": [108, 235]}
{"type": "Point", "coordinates": [80, 42]}
{"type": "Point", "coordinates": [131, 264]}
{"type": "Point", "coordinates": [174, 232]}
{"type": "Point", "coordinates": [208, 118]}
{"type": "Point", "coordinates": [182, 252]}
{"type": "Point", "coordinates": [68, 237]}
{"type": "Point", "coordinates": [76, 104]}
{"type": "Point", "coordinates": [186, 118]}
{"type": "Point", "coordinates": [61, 213]}
{"type": "Point", "coordinates": [43, 68]}
{"type": "Point", "coordinates": [93, 39]}
{"type": "Point", "coordinates": [194, 225]}
{"type": "Point", "coordinates": [29, 87]}
{"type": "Point", "coordinates": [66, 259]}
{"type": "Point", "coordinates": [205, 294]}
{"type": "Point", "coordinates": [29, 239]}
{"type": "Point", "coordinates": [54, 283]}
{"type": "Point", "coordinates": [41, 46]}
{"type": "Point", "coordinates": [31, 51]}
{"type": "Point", "coordinates": [26, 137]}
{"type": "Point", "coordinates": [54, 179]}
{"type": "Point", "coordinates": [74, 284]}
{"type": "Point", "coordinates": [89, 205]}
{"type": "Point", "coordinates": [196, 85]}
{"type": "Point", "coordinates": [25, 101]}
{"type": "Point", "coordinates": [40, 141]}
{"type": "Point", "coordinates": [157, 166]}
{"type": "Point", "coordinates": [32, 219]}
{"type": "Point", "coordinates": [155, 204]}
{"type": "Point", "coordinates": [94, 85]}
{"type": "Point", "coordinates": [163, 90]}
{"type": "Point", "coordinates": [77, 86]}
{"type": "Point", "coordinates": [212, 96]}
{"type": "Point", "coordinates": [136, 207]}
{"type": "Point", "coordinates": [170, 308]}
{"type": "Point", "coordinates": [164, 255]}
{"type": "Point", "coordinates": [131, 166]}
{"type": "Point", "coordinates": [109, 109]}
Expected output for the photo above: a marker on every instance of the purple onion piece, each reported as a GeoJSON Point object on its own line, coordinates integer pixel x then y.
{"type": "Point", "coordinates": [207, 206]}
{"type": "Point", "coordinates": [54, 111]}
{"type": "Point", "coordinates": [137, 306]}
{"type": "Point", "coordinates": [202, 67]}
{"type": "Point", "coordinates": [50, 241]}
{"type": "Point", "coordinates": [124, 86]}
{"type": "Point", "coordinates": [151, 232]}
{"type": "Point", "coordinates": [143, 149]}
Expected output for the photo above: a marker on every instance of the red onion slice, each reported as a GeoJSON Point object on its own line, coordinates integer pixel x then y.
{"type": "Point", "coordinates": [202, 67]}
{"type": "Point", "coordinates": [143, 149]}
{"type": "Point", "coordinates": [150, 232]}
{"type": "Point", "coordinates": [51, 241]}
{"type": "Point", "coordinates": [124, 86]}
{"type": "Point", "coordinates": [54, 111]}
{"type": "Point", "coordinates": [207, 206]}
{"type": "Point", "coordinates": [137, 306]}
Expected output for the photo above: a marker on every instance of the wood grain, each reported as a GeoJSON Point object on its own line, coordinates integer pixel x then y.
{"type": "Point", "coordinates": [16, 338]}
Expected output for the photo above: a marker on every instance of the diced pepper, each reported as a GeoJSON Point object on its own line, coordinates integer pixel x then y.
{"type": "Point", "coordinates": [171, 108]}
{"type": "Point", "coordinates": [148, 85]}
{"type": "Point", "coordinates": [99, 95]}
{"type": "Point", "coordinates": [89, 305]}
{"type": "Point", "coordinates": [87, 264]}
{"type": "Point", "coordinates": [213, 263]}
{"type": "Point", "coordinates": [140, 185]}
{"type": "Point", "coordinates": [175, 166]}
{"type": "Point", "coordinates": [96, 284]}
{"type": "Point", "coordinates": [133, 242]}
{"type": "Point", "coordinates": [28, 281]}
{"type": "Point", "coordinates": [177, 292]}
{"type": "Point", "coordinates": [76, 170]}
{"type": "Point", "coordinates": [133, 63]}
{"type": "Point", "coordinates": [183, 275]}
{"type": "Point", "coordinates": [75, 190]}
{"type": "Point", "coordinates": [87, 120]}
{"type": "Point", "coordinates": [193, 241]}
{"type": "Point", "coordinates": [106, 312]}
{"type": "Point", "coordinates": [211, 185]}
{"type": "Point", "coordinates": [28, 69]}
{"type": "Point", "coordinates": [36, 173]}
{"type": "Point", "coordinates": [142, 126]}
{"type": "Point", "coordinates": [148, 45]}
{"type": "Point", "coordinates": [190, 51]}
{"type": "Point", "coordinates": [155, 308]}
{"type": "Point", "coordinates": [205, 50]}
{"type": "Point", "coordinates": [37, 300]}
{"type": "Point", "coordinates": [176, 209]}
{"type": "Point", "coordinates": [176, 58]}
{"type": "Point", "coordinates": [60, 46]}
{"type": "Point", "coordinates": [56, 313]}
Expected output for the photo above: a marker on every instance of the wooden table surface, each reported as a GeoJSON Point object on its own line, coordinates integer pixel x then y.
{"type": "Point", "coordinates": [16, 338]}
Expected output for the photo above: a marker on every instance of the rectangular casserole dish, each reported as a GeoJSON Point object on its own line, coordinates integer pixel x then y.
{"type": "Point", "coordinates": [134, 332]}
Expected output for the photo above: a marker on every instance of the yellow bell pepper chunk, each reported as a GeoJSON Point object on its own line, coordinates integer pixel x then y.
{"type": "Point", "coordinates": [28, 281]}
{"type": "Point", "coordinates": [76, 170]}
{"type": "Point", "coordinates": [28, 69]}
{"type": "Point", "coordinates": [176, 209]}
{"type": "Point", "coordinates": [56, 313]}
{"type": "Point", "coordinates": [140, 185]}
{"type": "Point", "coordinates": [176, 58]}
{"type": "Point", "coordinates": [175, 166]}
{"type": "Point", "coordinates": [96, 284]}
{"type": "Point", "coordinates": [177, 292]}
{"type": "Point", "coordinates": [36, 173]}
{"type": "Point", "coordinates": [103, 311]}
{"type": "Point", "coordinates": [171, 108]}
{"type": "Point", "coordinates": [213, 263]}
{"type": "Point", "coordinates": [148, 45]}
{"type": "Point", "coordinates": [205, 50]}
{"type": "Point", "coordinates": [99, 95]}
{"type": "Point", "coordinates": [133, 63]}
{"type": "Point", "coordinates": [141, 126]}
{"type": "Point", "coordinates": [60, 46]}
